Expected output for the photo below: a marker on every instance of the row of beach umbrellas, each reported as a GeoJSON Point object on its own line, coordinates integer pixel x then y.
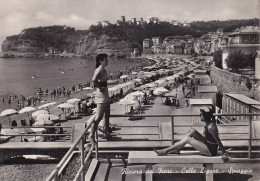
{"type": "Point", "coordinates": [42, 117]}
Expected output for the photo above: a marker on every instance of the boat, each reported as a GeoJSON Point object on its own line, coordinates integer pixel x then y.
{"type": "Point", "coordinates": [34, 76]}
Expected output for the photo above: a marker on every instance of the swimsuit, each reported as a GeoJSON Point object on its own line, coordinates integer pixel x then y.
{"type": "Point", "coordinates": [210, 142]}
{"type": "Point", "coordinates": [102, 97]}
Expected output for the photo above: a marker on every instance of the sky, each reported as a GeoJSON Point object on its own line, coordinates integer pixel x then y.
{"type": "Point", "coordinates": [16, 15]}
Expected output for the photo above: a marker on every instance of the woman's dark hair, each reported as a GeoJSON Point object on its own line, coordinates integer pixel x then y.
{"type": "Point", "coordinates": [208, 115]}
{"type": "Point", "coordinates": [100, 58]}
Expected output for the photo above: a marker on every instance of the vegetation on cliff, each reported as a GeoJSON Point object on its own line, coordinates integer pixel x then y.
{"type": "Point", "coordinates": [41, 39]}
{"type": "Point", "coordinates": [124, 37]}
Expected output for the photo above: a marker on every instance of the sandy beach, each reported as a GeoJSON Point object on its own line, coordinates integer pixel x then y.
{"type": "Point", "coordinates": [154, 107]}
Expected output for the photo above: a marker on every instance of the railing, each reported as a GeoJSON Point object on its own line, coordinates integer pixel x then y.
{"type": "Point", "coordinates": [34, 134]}
{"type": "Point", "coordinates": [81, 140]}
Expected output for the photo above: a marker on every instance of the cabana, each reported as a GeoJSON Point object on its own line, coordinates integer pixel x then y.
{"type": "Point", "coordinates": [200, 72]}
{"type": "Point", "coordinates": [196, 105]}
{"type": "Point", "coordinates": [207, 92]}
{"type": "Point", "coordinates": [202, 79]}
{"type": "Point", "coordinates": [239, 103]}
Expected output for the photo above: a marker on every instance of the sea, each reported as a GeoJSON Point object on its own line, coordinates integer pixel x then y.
{"type": "Point", "coordinates": [24, 76]}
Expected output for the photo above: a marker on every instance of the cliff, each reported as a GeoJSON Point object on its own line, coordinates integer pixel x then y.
{"type": "Point", "coordinates": [115, 40]}
{"type": "Point", "coordinates": [62, 41]}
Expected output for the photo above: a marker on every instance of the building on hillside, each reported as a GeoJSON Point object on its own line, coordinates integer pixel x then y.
{"type": "Point", "coordinates": [155, 19]}
{"type": "Point", "coordinates": [148, 19]}
{"type": "Point", "coordinates": [189, 47]}
{"type": "Point", "coordinates": [99, 23]}
{"type": "Point", "coordinates": [220, 31]}
{"type": "Point", "coordinates": [199, 46]}
{"type": "Point", "coordinates": [156, 49]}
{"type": "Point", "coordinates": [176, 23]}
{"type": "Point", "coordinates": [123, 19]}
{"type": "Point", "coordinates": [223, 41]}
{"type": "Point", "coordinates": [186, 24]}
{"type": "Point", "coordinates": [135, 54]}
{"type": "Point", "coordinates": [157, 40]}
{"type": "Point", "coordinates": [105, 23]}
{"type": "Point", "coordinates": [119, 22]}
{"type": "Point", "coordinates": [214, 43]}
{"type": "Point", "coordinates": [179, 47]}
{"type": "Point", "coordinates": [147, 44]}
{"type": "Point", "coordinates": [245, 39]}
{"type": "Point", "coordinates": [133, 20]}
{"type": "Point", "coordinates": [140, 21]}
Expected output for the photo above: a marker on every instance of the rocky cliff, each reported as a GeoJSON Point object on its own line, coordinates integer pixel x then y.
{"type": "Point", "coordinates": [61, 40]}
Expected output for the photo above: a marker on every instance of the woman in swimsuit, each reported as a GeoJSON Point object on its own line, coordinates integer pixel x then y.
{"type": "Point", "coordinates": [101, 98]}
{"type": "Point", "coordinates": [207, 145]}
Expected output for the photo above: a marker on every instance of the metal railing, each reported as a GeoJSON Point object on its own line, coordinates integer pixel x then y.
{"type": "Point", "coordinates": [81, 140]}
{"type": "Point", "coordinates": [34, 134]}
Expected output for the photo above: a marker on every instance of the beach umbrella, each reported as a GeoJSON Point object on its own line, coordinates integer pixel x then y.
{"type": "Point", "coordinates": [36, 113]}
{"type": "Point", "coordinates": [8, 112]}
{"type": "Point", "coordinates": [137, 93]}
{"type": "Point", "coordinates": [151, 84]}
{"type": "Point", "coordinates": [160, 91]}
{"type": "Point", "coordinates": [27, 109]}
{"type": "Point", "coordinates": [160, 81]}
{"type": "Point", "coordinates": [50, 117]}
{"type": "Point", "coordinates": [66, 105]}
{"type": "Point", "coordinates": [126, 102]}
{"type": "Point", "coordinates": [170, 94]}
{"type": "Point", "coordinates": [73, 100]}
{"type": "Point", "coordinates": [87, 88]}
{"type": "Point", "coordinates": [43, 122]}
{"type": "Point", "coordinates": [46, 105]}
{"type": "Point", "coordinates": [123, 76]}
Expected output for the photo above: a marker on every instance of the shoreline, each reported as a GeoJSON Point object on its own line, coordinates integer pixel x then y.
{"type": "Point", "coordinates": [79, 93]}
{"type": "Point", "coordinates": [9, 55]}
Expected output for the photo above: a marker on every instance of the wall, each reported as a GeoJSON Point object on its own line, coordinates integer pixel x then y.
{"type": "Point", "coordinates": [230, 82]}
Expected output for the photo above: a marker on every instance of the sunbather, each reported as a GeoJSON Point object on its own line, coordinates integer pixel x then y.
{"type": "Point", "coordinates": [207, 145]}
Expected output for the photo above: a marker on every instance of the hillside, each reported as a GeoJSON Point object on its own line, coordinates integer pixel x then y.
{"type": "Point", "coordinates": [112, 39]}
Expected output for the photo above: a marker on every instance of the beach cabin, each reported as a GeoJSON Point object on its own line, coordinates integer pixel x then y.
{"type": "Point", "coordinates": [202, 79]}
{"type": "Point", "coordinates": [200, 72]}
{"type": "Point", "coordinates": [256, 109]}
{"type": "Point", "coordinates": [196, 105]}
{"type": "Point", "coordinates": [207, 92]}
{"type": "Point", "coordinates": [239, 103]}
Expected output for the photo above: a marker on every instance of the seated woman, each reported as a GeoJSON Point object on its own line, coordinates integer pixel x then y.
{"type": "Point", "coordinates": [207, 145]}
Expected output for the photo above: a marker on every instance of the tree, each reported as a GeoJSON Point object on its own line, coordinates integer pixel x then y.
{"type": "Point", "coordinates": [237, 60]}
{"type": "Point", "coordinates": [217, 58]}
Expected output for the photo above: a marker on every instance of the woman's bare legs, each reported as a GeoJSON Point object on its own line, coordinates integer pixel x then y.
{"type": "Point", "coordinates": [194, 138]}
{"type": "Point", "coordinates": [106, 117]}
{"type": "Point", "coordinates": [99, 115]}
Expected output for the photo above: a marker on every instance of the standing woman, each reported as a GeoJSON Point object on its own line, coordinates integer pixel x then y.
{"type": "Point", "coordinates": [207, 144]}
{"type": "Point", "coordinates": [101, 98]}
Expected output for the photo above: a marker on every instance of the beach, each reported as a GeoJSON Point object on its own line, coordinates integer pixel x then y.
{"type": "Point", "coordinates": [115, 108]}
{"type": "Point", "coordinates": [23, 77]}
{"type": "Point", "coordinates": [155, 107]}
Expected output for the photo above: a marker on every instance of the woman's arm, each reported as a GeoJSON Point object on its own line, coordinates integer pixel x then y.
{"type": "Point", "coordinates": [94, 79]}
{"type": "Point", "coordinates": [214, 131]}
